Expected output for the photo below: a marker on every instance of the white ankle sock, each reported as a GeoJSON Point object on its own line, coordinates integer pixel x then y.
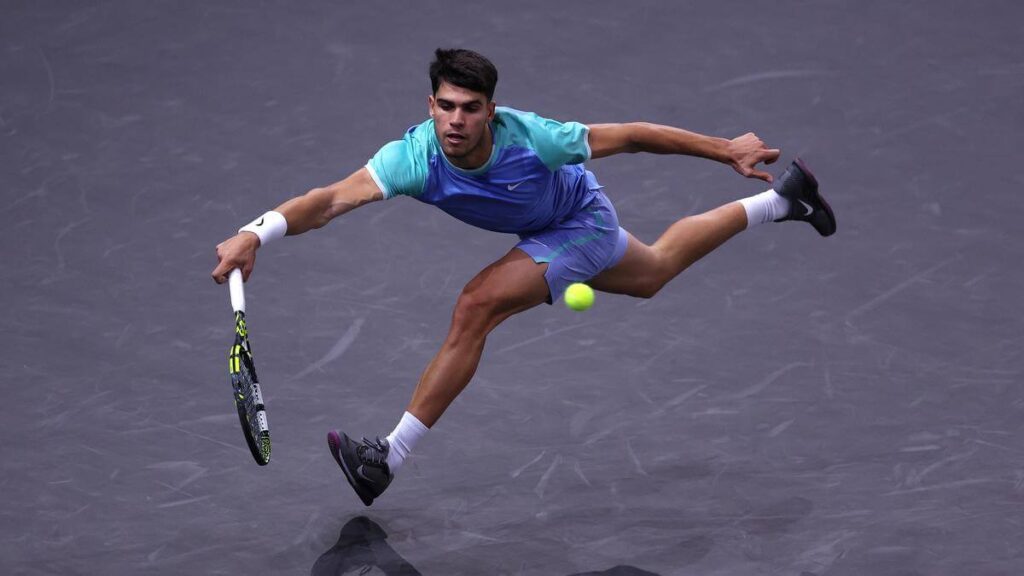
{"type": "Point", "coordinates": [403, 440]}
{"type": "Point", "coordinates": [764, 207]}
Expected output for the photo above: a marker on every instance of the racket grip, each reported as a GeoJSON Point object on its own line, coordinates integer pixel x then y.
{"type": "Point", "coordinates": [237, 290]}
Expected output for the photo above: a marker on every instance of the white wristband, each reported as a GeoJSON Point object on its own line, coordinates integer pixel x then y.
{"type": "Point", "coordinates": [268, 227]}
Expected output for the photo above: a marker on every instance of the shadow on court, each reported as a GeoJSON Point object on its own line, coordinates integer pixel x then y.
{"type": "Point", "coordinates": [362, 546]}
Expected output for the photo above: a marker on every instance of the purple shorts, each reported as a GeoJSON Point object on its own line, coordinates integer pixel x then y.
{"type": "Point", "coordinates": [579, 247]}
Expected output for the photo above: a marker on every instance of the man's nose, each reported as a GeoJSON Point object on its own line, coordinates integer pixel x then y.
{"type": "Point", "coordinates": [458, 119]}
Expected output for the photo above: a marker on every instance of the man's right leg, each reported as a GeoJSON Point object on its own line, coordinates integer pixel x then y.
{"type": "Point", "coordinates": [512, 284]}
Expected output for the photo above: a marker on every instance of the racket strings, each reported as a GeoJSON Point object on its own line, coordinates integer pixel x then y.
{"type": "Point", "coordinates": [248, 396]}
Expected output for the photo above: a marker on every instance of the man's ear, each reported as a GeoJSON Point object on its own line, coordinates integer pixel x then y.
{"type": "Point", "coordinates": [430, 105]}
{"type": "Point", "coordinates": [490, 110]}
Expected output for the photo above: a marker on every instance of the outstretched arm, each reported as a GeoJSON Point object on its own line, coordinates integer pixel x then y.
{"type": "Point", "coordinates": [742, 153]}
{"type": "Point", "coordinates": [313, 209]}
{"type": "Point", "coordinates": [319, 206]}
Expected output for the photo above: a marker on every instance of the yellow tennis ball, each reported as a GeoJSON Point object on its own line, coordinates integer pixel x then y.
{"type": "Point", "coordinates": [579, 296]}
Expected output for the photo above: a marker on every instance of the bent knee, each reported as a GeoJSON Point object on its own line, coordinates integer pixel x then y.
{"type": "Point", "coordinates": [475, 311]}
{"type": "Point", "coordinates": [655, 277]}
{"type": "Point", "coordinates": [648, 287]}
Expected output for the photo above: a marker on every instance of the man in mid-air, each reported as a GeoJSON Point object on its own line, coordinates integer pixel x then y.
{"type": "Point", "coordinates": [510, 171]}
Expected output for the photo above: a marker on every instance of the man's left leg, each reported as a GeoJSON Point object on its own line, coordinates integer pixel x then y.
{"type": "Point", "coordinates": [645, 269]}
{"type": "Point", "coordinates": [510, 285]}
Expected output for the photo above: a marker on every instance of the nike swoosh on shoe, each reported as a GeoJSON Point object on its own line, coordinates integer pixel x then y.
{"type": "Point", "coordinates": [359, 471]}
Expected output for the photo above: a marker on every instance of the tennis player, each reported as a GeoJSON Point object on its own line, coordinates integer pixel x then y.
{"type": "Point", "coordinates": [511, 171]}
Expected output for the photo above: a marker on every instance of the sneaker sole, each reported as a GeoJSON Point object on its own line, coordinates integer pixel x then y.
{"type": "Point", "coordinates": [334, 442]}
{"type": "Point", "coordinates": [828, 209]}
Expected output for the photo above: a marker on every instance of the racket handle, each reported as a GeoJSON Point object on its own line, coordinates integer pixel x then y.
{"type": "Point", "coordinates": [237, 290]}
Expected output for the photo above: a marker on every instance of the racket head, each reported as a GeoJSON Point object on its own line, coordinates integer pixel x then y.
{"type": "Point", "coordinates": [248, 397]}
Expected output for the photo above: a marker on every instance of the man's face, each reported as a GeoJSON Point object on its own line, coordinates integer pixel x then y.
{"type": "Point", "coordinates": [460, 121]}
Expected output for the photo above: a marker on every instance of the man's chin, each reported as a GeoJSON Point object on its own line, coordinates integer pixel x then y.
{"type": "Point", "coordinates": [455, 153]}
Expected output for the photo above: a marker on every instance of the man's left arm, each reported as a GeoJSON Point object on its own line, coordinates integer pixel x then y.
{"type": "Point", "coordinates": [742, 153]}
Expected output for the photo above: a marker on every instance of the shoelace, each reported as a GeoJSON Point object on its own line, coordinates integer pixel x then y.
{"type": "Point", "coordinates": [373, 453]}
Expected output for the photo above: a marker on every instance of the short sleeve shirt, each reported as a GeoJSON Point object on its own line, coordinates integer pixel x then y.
{"type": "Point", "coordinates": [533, 178]}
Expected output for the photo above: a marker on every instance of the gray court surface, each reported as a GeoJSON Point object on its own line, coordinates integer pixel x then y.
{"type": "Point", "coordinates": [790, 405]}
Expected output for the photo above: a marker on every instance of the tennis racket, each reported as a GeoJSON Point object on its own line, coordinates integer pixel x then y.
{"type": "Point", "coordinates": [248, 397]}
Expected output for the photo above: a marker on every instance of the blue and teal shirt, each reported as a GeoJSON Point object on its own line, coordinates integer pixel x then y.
{"type": "Point", "coordinates": [533, 179]}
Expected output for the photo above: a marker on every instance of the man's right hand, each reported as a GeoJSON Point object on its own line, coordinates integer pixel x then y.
{"type": "Point", "coordinates": [239, 251]}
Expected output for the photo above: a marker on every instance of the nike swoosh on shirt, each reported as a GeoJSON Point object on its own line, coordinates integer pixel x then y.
{"type": "Point", "coordinates": [512, 187]}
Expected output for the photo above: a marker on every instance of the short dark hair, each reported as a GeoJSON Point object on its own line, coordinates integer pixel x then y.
{"type": "Point", "coordinates": [465, 69]}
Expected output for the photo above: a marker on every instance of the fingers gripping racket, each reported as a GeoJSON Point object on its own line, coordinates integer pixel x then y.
{"type": "Point", "coordinates": [248, 397]}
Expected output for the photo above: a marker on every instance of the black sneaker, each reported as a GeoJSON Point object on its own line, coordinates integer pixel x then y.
{"type": "Point", "coordinates": [365, 465]}
{"type": "Point", "coordinates": [799, 186]}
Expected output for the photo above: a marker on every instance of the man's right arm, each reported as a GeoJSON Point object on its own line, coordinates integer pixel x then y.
{"type": "Point", "coordinates": [313, 209]}
{"type": "Point", "coordinates": [319, 206]}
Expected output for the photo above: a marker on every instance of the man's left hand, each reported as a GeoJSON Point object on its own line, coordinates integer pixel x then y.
{"type": "Point", "coordinates": [745, 152]}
